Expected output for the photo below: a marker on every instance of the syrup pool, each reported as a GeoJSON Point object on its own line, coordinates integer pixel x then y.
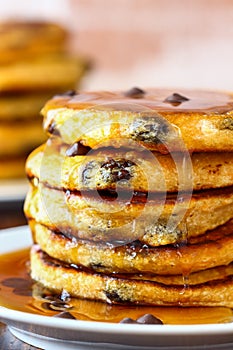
{"type": "Point", "coordinates": [19, 292]}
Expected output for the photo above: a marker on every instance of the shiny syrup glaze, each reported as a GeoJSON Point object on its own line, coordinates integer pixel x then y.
{"type": "Point", "coordinates": [162, 100]}
{"type": "Point", "coordinates": [16, 288]}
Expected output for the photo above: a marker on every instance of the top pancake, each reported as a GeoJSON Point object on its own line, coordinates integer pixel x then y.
{"type": "Point", "coordinates": [158, 119]}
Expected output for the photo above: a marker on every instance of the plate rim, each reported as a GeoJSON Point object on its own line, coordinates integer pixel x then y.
{"type": "Point", "coordinates": [42, 320]}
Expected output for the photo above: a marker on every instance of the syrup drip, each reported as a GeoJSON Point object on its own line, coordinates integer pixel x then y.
{"type": "Point", "coordinates": [19, 292]}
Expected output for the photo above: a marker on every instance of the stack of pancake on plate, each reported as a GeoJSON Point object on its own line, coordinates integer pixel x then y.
{"type": "Point", "coordinates": [131, 198]}
{"type": "Point", "coordinates": [34, 65]}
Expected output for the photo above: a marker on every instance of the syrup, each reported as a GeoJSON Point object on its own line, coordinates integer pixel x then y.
{"type": "Point", "coordinates": [19, 292]}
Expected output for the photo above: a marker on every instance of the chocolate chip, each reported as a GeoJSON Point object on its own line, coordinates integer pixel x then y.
{"type": "Point", "coordinates": [89, 172]}
{"type": "Point", "coordinates": [151, 130]}
{"type": "Point", "coordinates": [65, 314]}
{"type": "Point", "coordinates": [226, 123]}
{"type": "Point", "coordinates": [77, 149]}
{"type": "Point", "coordinates": [145, 319]}
{"type": "Point", "coordinates": [175, 99]}
{"type": "Point", "coordinates": [135, 92]}
{"type": "Point", "coordinates": [52, 129]}
{"type": "Point", "coordinates": [128, 320]}
{"type": "Point", "coordinates": [149, 319]}
{"type": "Point", "coordinates": [117, 169]}
{"type": "Point", "coordinates": [113, 297]}
{"type": "Point", "coordinates": [108, 195]}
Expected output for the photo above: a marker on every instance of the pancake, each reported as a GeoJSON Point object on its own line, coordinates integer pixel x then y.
{"type": "Point", "coordinates": [207, 251]}
{"type": "Point", "coordinates": [22, 107]}
{"type": "Point", "coordinates": [43, 73]}
{"type": "Point", "coordinates": [199, 121]}
{"type": "Point", "coordinates": [22, 39]}
{"type": "Point", "coordinates": [102, 312]}
{"type": "Point", "coordinates": [156, 221]}
{"type": "Point", "coordinates": [34, 64]}
{"type": "Point", "coordinates": [124, 169]}
{"type": "Point", "coordinates": [130, 200]}
{"type": "Point", "coordinates": [19, 138]}
{"type": "Point", "coordinates": [83, 283]}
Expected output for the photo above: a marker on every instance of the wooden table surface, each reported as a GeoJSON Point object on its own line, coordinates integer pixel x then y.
{"type": "Point", "coordinates": [11, 215]}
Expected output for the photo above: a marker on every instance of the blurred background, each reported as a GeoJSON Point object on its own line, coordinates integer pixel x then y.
{"type": "Point", "coordinates": [144, 42]}
{"type": "Point", "coordinates": [112, 44]}
{"type": "Point", "coordinates": [156, 42]}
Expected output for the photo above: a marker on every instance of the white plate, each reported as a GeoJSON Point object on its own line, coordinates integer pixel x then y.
{"type": "Point", "coordinates": [13, 190]}
{"type": "Point", "coordinates": [85, 335]}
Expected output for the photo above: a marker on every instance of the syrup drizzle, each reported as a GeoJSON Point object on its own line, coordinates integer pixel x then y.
{"type": "Point", "coordinates": [19, 292]}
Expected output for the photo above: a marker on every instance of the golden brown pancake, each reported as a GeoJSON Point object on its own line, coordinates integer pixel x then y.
{"type": "Point", "coordinates": [131, 198]}
{"type": "Point", "coordinates": [207, 251]}
{"type": "Point", "coordinates": [98, 311]}
{"type": "Point", "coordinates": [20, 131]}
{"type": "Point", "coordinates": [153, 221]}
{"type": "Point", "coordinates": [158, 119]}
{"type": "Point", "coordinates": [23, 39]}
{"type": "Point", "coordinates": [21, 137]}
{"type": "Point", "coordinates": [82, 283]}
{"type": "Point", "coordinates": [15, 107]}
{"type": "Point", "coordinates": [43, 73]}
{"type": "Point", "coordinates": [124, 169]}
{"type": "Point", "coordinates": [34, 64]}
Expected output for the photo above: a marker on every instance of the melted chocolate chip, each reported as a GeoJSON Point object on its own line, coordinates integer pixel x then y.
{"type": "Point", "coordinates": [89, 171]}
{"type": "Point", "coordinates": [108, 195]}
{"type": "Point", "coordinates": [114, 297]}
{"type": "Point", "coordinates": [175, 99]}
{"type": "Point", "coordinates": [145, 319]}
{"type": "Point", "coordinates": [77, 149]}
{"type": "Point", "coordinates": [226, 123]}
{"type": "Point", "coordinates": [52, 129]}
{"type": "Point", "coordinates": [151, 130]}
{"type": "Point", "coordinates": [117, 169]}
{"type": "Point", "coordinates": [65, 314]}
{"type": "Point", "coordinates": [135, 92]}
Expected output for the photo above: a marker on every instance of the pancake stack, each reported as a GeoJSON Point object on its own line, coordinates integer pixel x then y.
{"type": "Point", "coordinates": [34, 65]}
{"type": "Point", "coordinates": [131, 197]}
